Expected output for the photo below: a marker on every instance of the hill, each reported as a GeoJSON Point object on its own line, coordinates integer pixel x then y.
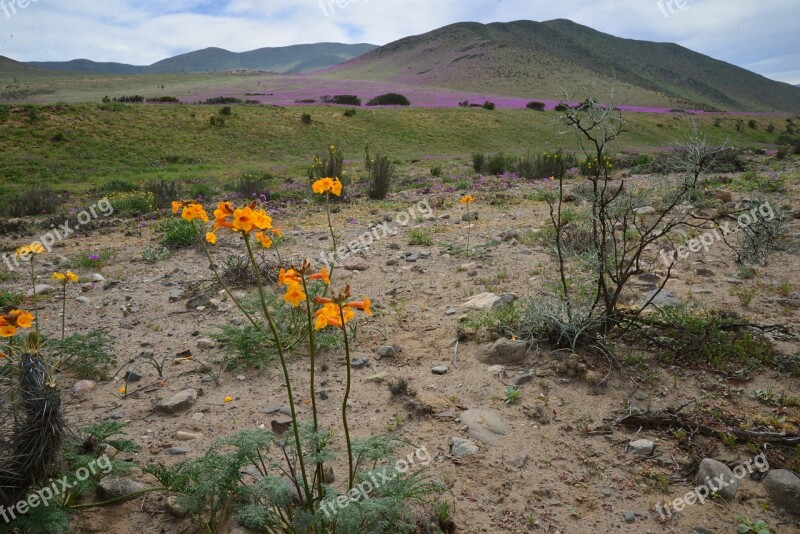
{"type": "Point", "coordinates": [289, 59]}
{"type": "Point", "coordinates": [535, 59]}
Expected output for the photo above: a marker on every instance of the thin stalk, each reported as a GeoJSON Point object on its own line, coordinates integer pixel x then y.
{"type": "Point", "coordinates": [333, 236]}
{"type": "Point", "coordinates": [469, 228]}
{"type": "Point", "coordinates": [346, 398]}
{"type": "Point", "coordinates": [284, 367]}
{"type": "Point", "coordinates": [64, 312]}
{"type": "Point", "coordinates": [35, 305]}
{"type": "Point", "coordinates": [313, 354]}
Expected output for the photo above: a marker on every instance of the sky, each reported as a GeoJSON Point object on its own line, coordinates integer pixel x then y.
{"type": "Point", "coordinates": [759, 36]}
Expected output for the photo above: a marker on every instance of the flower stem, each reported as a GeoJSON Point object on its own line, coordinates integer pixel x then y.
{"type": "Point", "coordinates": [284, 367]}
{"type": "Point", "coordinates": [313, 354]}
{"type": "Point", "coordinates": [346, 398]}
{"type": "Point", "coordinates": [64, 313]}
{"type": "Point", "coordinates": [35, 304]}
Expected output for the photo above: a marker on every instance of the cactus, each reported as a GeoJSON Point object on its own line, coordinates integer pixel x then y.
{"type": "Point", "coordinates": [32, 427]}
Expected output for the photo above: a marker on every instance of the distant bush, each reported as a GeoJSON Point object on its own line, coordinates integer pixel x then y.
{"type": "Point", "coordinates": [561, 107]}
{"type": "Point", "coordinates": [133, 99]}
{"type": "Point", "coordinates": [305, 118]}
{"type": "Point", "coordinates": [202, 190]}
{"type": "Point", "coordinates": [545, 165]}
{"type": "Point", "coordinates": [350, 112]}
{"type": "Point", "coordinates": [770, 128]}
{"type": "Point", "coordinates": [752, 124]}
{"type": "Point", "coordinates": [380, 171]}
{"type": "Point", "coordinates": [118, 185]}
{"type": "Point", "coordinates": [536, 106]}
{"type": "Point", "coordinates": [436, 171]}
{"type": "Point", "coordinates": [489, 105]}
{"type": "Point", "coordinates": [133, 204]}
{"type": "Point", "coordinates": [345, 100]}
{"type": "Point", "coordinates": [389, 99]}
{"type": "Point", "coordinates": [253, 185]}
{"type": "Point", "coordinates": [498, 164]}
{"type": "Point", "coordinates": [217, 100]}
{"type": "Point", "coordinates": [164, 100]}
{"type": "Point", "coordinates": [306, 101]}
{"type": "Point", "coordinates": [37, 199]}
{"type": "Point", "coordinates": [216, 120]}
{"type": "Point", "coordinates": [226, 111]}
{"type": "Point", "coordinates": [464, 104]}
{"type": "Point", "coordinates": [165, 191]}
{"type": "Point", "coordinates": [478, 162]}
{"type": "Point", "coordinates": [329, 165]}
{"type": "Point", "coordinates": [729, 160]}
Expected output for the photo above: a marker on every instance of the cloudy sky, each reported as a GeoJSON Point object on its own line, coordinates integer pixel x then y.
{"type": "Point", "coordinates": [760, 36]}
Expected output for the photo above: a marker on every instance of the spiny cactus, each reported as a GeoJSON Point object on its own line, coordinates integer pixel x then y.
{"type": "Point", "coordinates": [32, 426]}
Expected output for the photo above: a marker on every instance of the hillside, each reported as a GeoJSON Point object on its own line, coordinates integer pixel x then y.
{"type": "Point", "coordinates": [535, 59]}
{"type": "Point", "coordinates": [293, 59]}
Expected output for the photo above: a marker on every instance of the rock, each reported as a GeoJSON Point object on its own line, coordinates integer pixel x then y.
{"type": "Point", "coordinates": [376, 379]}
{"type": "Point", "coordinates": [641, 447]}
{"type": "Point", "coordinates": [788, 303]}
{"type": "Point", "coordinates": [711, 469]}
{"type": "Point", "coordinates": [187, 436]}
{"type": "Point", "coordinates": [463, 447]}
{"type": "Point", "coordinates": [705, 272]}
{"type": "Point", "coordinates": [471, 216]}
{"type": "Point", "coordinates": [389, 351]}
{"type": "Point", "coordinates": [179, 402]}
{"type": "Point", "coordinates": [783, 490]}
{"type": "Point", "coordinates": [450, 311]}
{"type": "Point", "coordinates": [649, 278]}
{"type": "Point", "coordinates": [206, 343]}
{"type": "Point", "coordinates": [426, 402]}
{"type": "Point", "coordinates": [83, 300]}
{"type": "Point", "coordinates": [356, 264]}
{"type": "Point", "coordinates": [177, 451]}
{"type": "Point", "coordinates": [97, 277]}
{"type": "Point", "coordinates": [359, 363]}
{"type": "Point", "coordinates": [412, 258]}
{"type": "Point", "coordinates": [116, 415]}
{"type": "Point", "coordinates": [629, 517]}
{"type": "Point", "coordinates": [521, 380]}
{"type": "Point", "coordinates": [41, 289]}
{"type": "Point", "coordinates": [83, 387]}
{"type": "Point", "coordinates": [646, 210]}
{"type": "Point", "coordinates": [505, 299]}
{"type": "Point", "coordinates": [482, 301]}
{"type": "Point", "coordinates": [664, 299]}
{"type": "Point", "coordinates": [484, 426]}
{"type": "Point", "coordinates": [281, 424]}
{"type": "Point", "coordinates": [110, 488]}
{"type": "Point", "coordinates": [175, 296]}
{"type": "Point", "coordinates": [605, 491]}
{"type": "Point", "coordinates": [439, 370]}
{"type": "Point", "coordinates": [200, 301]}
{"type": "Point", "coordinates": [519, 460]}
{"type": "Point", "coordinates": [132, 376]}
{"type": "Point", "coordinates": [174, 506]}
{"type": "Point", "coordinates": [495, 369]}
{"type": "Point", "coordinates": [392, 262]}
{"type": "Point", "coordinates": [467, 266]}
{"type": "Point", "coordinates": [503, 351]}
{"type": "Point", "coordinates": [722, 195]}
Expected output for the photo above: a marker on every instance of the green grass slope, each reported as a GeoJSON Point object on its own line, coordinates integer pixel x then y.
{"type": "Point", "coordinates": [536, 59]}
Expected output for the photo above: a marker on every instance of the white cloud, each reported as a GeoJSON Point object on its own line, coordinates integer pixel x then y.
{"type": "Point", "coordinates": [759, 36]}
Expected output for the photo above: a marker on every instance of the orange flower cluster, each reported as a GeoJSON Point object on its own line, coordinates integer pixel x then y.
{"type": "Point", "coordinates": [294, 289]}
{"type": "Point", "coordinates": [190, 210]}
{"type": "Point", "coordinates": [11, 321]}
{"type": "Point", "coordinates": [467, 199]}
{"type": "Point", "coordinates": [33, 248]}
{"type": "Point", "coordinates": [245, 220]}
{"type": "Point", "coordinates": [328, 185]}
{"type": "Point", "coordinates": [332, 312]}
{"type": "Point", "coordinates": [68, 276]}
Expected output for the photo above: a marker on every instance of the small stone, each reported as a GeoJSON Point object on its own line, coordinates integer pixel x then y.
{"type": "Point", "coordinates": [180, 435]}
{"type": "Point", "coordinates": [110, 488]}
{"type": "Point", "coordinates": [83, 387]}
{"type": "Point", "coordinates": [463, 447]}
{"type": "Point", "coordinates": [392, 262]}
{"type": "Point", "coordinates": [411, 258]}
{"type": "Point", "coordinates": [177, 451]}
{"type": "Point", "coordinates": [606, 491]}
{"type": "Point", "coordinates": [471, 216]}
{"type": "Point", "coordinates": [116, 415]}
{"type": "Point", "coordinates": [132, 376]}
{"type": "Point", "coordinates": [519, 460]}
{"type": "Point", "coordinates": [712, 469]}
{"type": "Point", "coordinates": [724, 196]}
{"type": "Point", "coordinates": [376, 379]}
{"type": "Point", "coordinates": [484, 426]}
{"type": "Point", "coordinates": [705, 272]}
{"type": "Point", "coordinates": [646, 210]}
{"type": "Point", "coordinates": [206, 343]}
{"type": "Point", "coordinates": [482, 301]}
{"type": "Point", "coordinates": [521, 380]}
{"type": "Point", "coordinates": [83, 300]}
{"type": "Point", "coordinates": [174, 506]}
{"type": "Point", "coordinates": [200, 301]}
{"type": "Point", "coordinates": [641, 447]}
{"type": "Point", "coordinates": [451, 311]}
{"type": "Point", "coordinates": [783, 489]}
{"type": "Point", "coordinates": [702, 530]}
{"type": "Point", "coordinates": [467, 266]}
{"type": "Point", "coordinates": [505, 300]}
{"type": "Point", "coordinates": [281, 424]}
{"type": "Point", "coordinates": [273, 408]}
{"type": "Point", "coordinates": [41, 289]}
{"type": "Point", "coordinates": [389, 351]}
{"type": "Point", "coordinates": [630, 517]}
{"type": "Point", "coordinates": [97, 277]}
{"type": "Point", "coordinates": [504, 351]}
{"type": "Point", "coordinates": [664, 299]}
{"type": "Point", "coordinates": [181, 401]}
{"type": "Point", "coordinates": [175, 296]}
{"type": "Point", "coordinates": [440, 370]}
{"type": "Point", "coordinates": [496, 369]}
{"type": "Point", "coordinates": [359, 363]}
{"type": "Point", "coordinates": [356, 264]}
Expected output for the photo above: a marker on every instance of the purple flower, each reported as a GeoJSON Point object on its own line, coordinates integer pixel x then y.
{"type": "Point", "coordinates": [94, 257]}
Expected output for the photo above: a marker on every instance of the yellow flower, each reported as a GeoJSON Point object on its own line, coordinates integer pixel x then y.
{"type": "Point", "coordinates": [323, 185]}
{"type": "Point", "coordinates": [37, 248]}
{"type": "Point", "coordinates": [22, 318]}
{"type": "Point", "coordinates": [211, 237]}
{"type": "Point", "coordinates": [228, 399]}
{"type": "Point", "coordinates": [194, 211]}
{"type": "Point", "coordinates": [263, 221]}
{"type": "Point", "coordinates": [122, 390]}
{"type": "Point", "coordinates": [294, 295]}
{"type": "Point", "coordinates": [265, 241]}
{"type": "Point", "coordinates": [336, 188]}
{"type": "Point", "coordinates": [68, 276]}
{"type": "Point", "coordinates": [58, 276]}
{"type": "Point", "coordinates": [467, 199]}
{"type": "Point", "coordinates": [7, 330]}
{"type": "Point", "coordinates": [176, 206]}
{"type": "Point", "coordinates": [286, 278]}
{"type": "Point", "coordinates": [244, 219]}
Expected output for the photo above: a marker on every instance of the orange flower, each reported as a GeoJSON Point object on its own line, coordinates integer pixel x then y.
{"type": "Point", "coordinates": [277, 232]}
{"type": "Point", "coordinates": [323, 185]}
{"type": "Point", "coordinates": [289, 277]}
{"type": "Point", "coordinates": [7, 330]}
{"type": "Point", "coordinates": [265, 241]}
{"type": "Point", "coordinates": [194, 211]}
{"type": "Point", "coordinates": [331, 315]}
{"type": "Point", "coordinates": [176, 206]}
{"type": "Point", "coordinates": [11, 321]}
{"type": "Point", "coordinates": [244, 219]}
{"type": "Point", "coordinates": [223, 211]}
{"type": "Point", "coordinates": [294, 295]}
{"type": "Point", "coordinates": [336, 188]}
{"type": "Point", "coordinates": [322, 275]}
{"type": "Point", "coordinates": [68, 276]}
{"type": "Point", "coordinates": [228, 399]}
{"type": "Point", "coordinates": [22, 318]}
{"type": "Point", "coordinates": [263, 221]}
{"type": "Point", "coordinates": [467, 199]}
{"type": "Point", "coordinates": [122, 390]}
{"type": "Point", "coordinates": [211, 237]}
{"type": "Point", "coordinates": [322, 300]}
{"type": "Point", "coordinates": [363, 305]}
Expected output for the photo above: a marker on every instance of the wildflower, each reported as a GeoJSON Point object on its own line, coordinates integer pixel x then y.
{"type": "Point", "coordinates": [122, 390]}
{"type": "Point", "coordinates": [66, 277]}
{"type": "Point", "coordinates": [467, 199]}
{"type": "Point", "coordinates": [211, 237]}
{"type": "Point", "coordinates": [294, 295]}
{"type": "Point", "coordinates": [228, 399]}
{"type": "Point", "coordinates": [194, 211]}
{"type": "Point", "coordinates": [322, 275]}
{"type": "Point", "coordinates": [336, 188]}
{"type": "Point", "coordinates": [247, 219]}
{"type": "Point", "coordinates": [323, 185]}
{"type": "Point", "coordinates": [363, 305]}
{"type": "Point", "coordinates": [33, 248]}
{"type": "Point", "coordinates": [265, 241]}
{"type": "Point", "coordinates": [11, 321]}
{"type": "Point", "coordinates": [94, 257]}
{"type": "Point", "coordinates": [276, 232]}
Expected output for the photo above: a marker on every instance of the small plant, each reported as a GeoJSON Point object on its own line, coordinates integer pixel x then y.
{"type": "Point", "coordinates": [536, 106]}
{"type": "Point", "coordinates": [37, 199]}
{"type": "Point", "coordinates": [164, 191]}
{"type": "Point", "coordinates": [253, 185]}
{"type": "Point", "coordinates": [419, 237]}
{"type": "Point", "coordinates": [746, 526]}
{"type": "Point", "coordinates": [134, 203]}
{"type": "Point", "coordinates": [344, 100]}
{"type": "Point", "coordinates": [226, 111]}
{"type": "Point", "coordinates": [65, 278]}
{"type": "Point", "coordinates": [88, 260]}
{"type": "Point", "coordinates": [329, 165]}
{"type": "Point", "coordinates": [745, 295]}
{"type": "Point", "coordinates": [380, 171]}
{"type": "Point", "coordinates": [118, 185]}
{"type": "Point", "coordinates": [178, 233]}
{"type": "Point", "coordinates": [466, 200]}
{"type": "Point", "coordinates": [9, 300]}
{"type": "Point", "coordinates": [86, 356]}
{"type": "Point", "coordinates": [305, 118]}
{"type": "Point", "coordinates": [351, 112]}
{"type": "Point", "coordinates": [478, 162]}
{"type": "Point", "coordinates": [436, 171]}
{"type": "Point", "coordinates": [513, 395]}
{"type": "Point", "coordinates": [489, 105]}
{"type": "Point", "coordinates": [153, 254]}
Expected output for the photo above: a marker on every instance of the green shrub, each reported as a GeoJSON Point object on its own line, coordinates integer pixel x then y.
{"type": "Point", "coordinates": [9, 299]}
{"type": "Point", "coordinates": [253, 184]}
{"type": "Point", "coordinates": [350, 112]}
{"type": "Point", "coordinates": [223, 100]}
{"type": "Point", "coordinates": [202, 190]}
{"type": "Point", "coordinates": [133, 204]}
{"type": "Point", "coordinates": [752, 124]}
{"type": "Point", "coordinates": [246, 346]}
{"type": "Point", "coordinates": [89, 260]}
{"type": "Point", "coordinates": [118, 185]}
{"type": "Point", "coordinates": [329, 164]}
{"type": "Point", "coordinates": [178, 233]}
{"type": "Point", "coordinates": [498, 164]}
{"type": "Point", "coordinates": [436, 171]}
{"type": "Point", "coordinates": [37, 199]}
{"type": "Point", "coordinates": [545, 165]}
{"type": "Point", "coordinates": [389, 99]}
{"type": "Point", "coordinates": [226, 111]}
{"type": "Point", "coordinates": [86, 356]}
{"type": "Point", "coordinates": [305, 118]}
{"type": "Point", "coordinates": [419, 237]}
{"type": "Point", "coordinates": [344, 100]}
{"type": "Point", "coordinates": [489, 105]}
{"type": "Point", "coordinates": [478, 162]}
{"type": "Point", "coordinates": [380, 171]}
{"type": "Point", "coordinates": [165, 192]}
{"type": "Point", "coordinates": [536, 106]}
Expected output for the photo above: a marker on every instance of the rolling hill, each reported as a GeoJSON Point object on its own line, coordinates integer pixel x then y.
{"type": "Point", "coordinates": [287, 59]}
{"type": "Point", "coordinates": [536, 59]}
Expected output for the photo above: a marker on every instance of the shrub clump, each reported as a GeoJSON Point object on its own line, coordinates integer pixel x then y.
{"type": "Point", "coordinates": [344, 100]}
{"type": "Point", "coordinates": [389, 99]}
{"type": "Point", "coordinates": [380, 171]}
{"type": "Point", "coordinates": [37, 199]}
{"type": "Point", "coordinates": [536, 106]}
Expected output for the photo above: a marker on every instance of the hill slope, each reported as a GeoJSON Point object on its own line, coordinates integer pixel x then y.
{"type": "Point", "coordinates": [535, 59]}
{"type": "Point", "coordinates": [296, 58]}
